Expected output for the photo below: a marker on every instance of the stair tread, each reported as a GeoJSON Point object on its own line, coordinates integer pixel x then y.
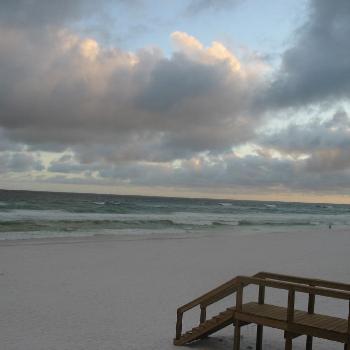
{"type": "Point", "coordinates": [206, 327]}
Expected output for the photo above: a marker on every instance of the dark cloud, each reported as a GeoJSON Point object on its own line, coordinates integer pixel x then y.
{"type": "Point", "coordinates": [19, 162]}
{"type": "Point", "coordinates": [325, 143]}
{"type": "Point", "coordinates": [315, 135]}
{"type": "Point", "coordinates": [173, 81]}
{"type": "Point", "coordinates": [69, 165]}
{"type": "Point", "coordinates": [315, 156]}
{"type": "Point", "coordinates": [8, 145]}
{"type": "Point", "coordinates": [317, 67]}
{"type": "Point", "coordinates": [259, 173]}
{"type": "Point", "coordinates": [329, 161]}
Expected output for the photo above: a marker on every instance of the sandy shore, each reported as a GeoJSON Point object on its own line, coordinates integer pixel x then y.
{"type": "Point", "coordinates": [122, 294]}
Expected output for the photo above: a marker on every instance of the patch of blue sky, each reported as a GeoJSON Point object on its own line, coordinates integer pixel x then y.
{"type": "Point", "coordinates": [261, 26]}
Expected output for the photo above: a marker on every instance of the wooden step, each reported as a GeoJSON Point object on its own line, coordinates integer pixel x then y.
{"type": "Point", "coordinates": [208, 327]}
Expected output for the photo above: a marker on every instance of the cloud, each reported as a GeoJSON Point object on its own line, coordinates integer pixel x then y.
{"type": "Point", "coordinates": [194, 49]}
{"type": "Point", "coordinates": [308, 157]}
{"type": "Point", "coordinates": [146, 118]}
{"type": "Point", "coordinates": [19, 162]}
{"type": "Point", "coordinates": [325, 144]}
{"type": "Point", "coordinates": [316, 134]}
{"type": "Point", "coordinates": [64, 91]}
{"type": "Point", "coordinates": [7, 145]}
{"type": "Point", "coordinates": [67, 164]}
{"type": "Point", "coordinates": [316, 68]}
{"type": "Point", "coordinates": [259, 173]}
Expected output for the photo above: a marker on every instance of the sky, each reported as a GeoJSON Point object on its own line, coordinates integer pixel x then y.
{"type": "Point", "coordinates": [238, 99]}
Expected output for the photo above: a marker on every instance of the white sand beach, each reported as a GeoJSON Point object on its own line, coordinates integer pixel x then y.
{"type": "Point", "coordinates": [110, 293]}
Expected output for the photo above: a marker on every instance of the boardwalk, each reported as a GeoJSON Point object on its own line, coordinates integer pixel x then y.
{"type": "Point", "coordinates": [293, 322]}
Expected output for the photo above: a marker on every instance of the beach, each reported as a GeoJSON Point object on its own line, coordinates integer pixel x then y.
{"type": "Point", "coordinates": [122, 293]}
{"type": "Point", "coordinates": [160, 155]}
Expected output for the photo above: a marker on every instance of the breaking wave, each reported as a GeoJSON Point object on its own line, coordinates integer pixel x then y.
{"type": "Point", "coordinates": [43, 214]}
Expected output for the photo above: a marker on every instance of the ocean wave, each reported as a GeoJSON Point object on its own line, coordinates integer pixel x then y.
{"type": "Point", "coordinates": [107, 203]}
{"type": "Point", "coordinates": [157, 224]}
{"type": "Point", "coordinates": [225, 223]}
{"type": "Point", "coordinates": [83, 225]}
{"type": "Point", "coordinates": [54, 223]}
{"type": "Point", "coordinates": [276, 223]}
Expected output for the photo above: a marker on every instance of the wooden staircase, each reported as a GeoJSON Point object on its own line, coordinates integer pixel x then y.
{"type": "Point", "coordinates": [293, 322]}
{"type": "Point", "coordinates": [208, 327]}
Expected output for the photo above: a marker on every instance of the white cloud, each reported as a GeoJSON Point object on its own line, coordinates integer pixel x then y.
{"type": "Point", "coordinates": [64, 91]}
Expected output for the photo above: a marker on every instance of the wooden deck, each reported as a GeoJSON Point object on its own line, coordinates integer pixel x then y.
{"type": "Point", "coordinates": [293, 322]}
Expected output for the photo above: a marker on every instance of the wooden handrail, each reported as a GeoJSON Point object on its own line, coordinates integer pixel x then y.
{"type": "Point", "coordinates": [223, 291]}
{"type": "Point", "coordinates": [337, 294]}
{"type": "Point", "coordinates": [229, 287]}
{"type": "Point", "coordinates": [206, 299]}
{"type": "Point", "coordinates": [304, 280]}
{"type": "Point", "coordinates": [216, 294]}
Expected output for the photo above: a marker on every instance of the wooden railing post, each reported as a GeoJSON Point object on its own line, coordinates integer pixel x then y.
{"type": "Point", "coordinates": [347, 346]}
{"type": "Point", "coordinates": [260, 328]}
{"type": "Point", "coordinates": [239, 298]}
{"type": "Point", "coordinates": [261, 298]}
{"type": "Point", "coordinates": [291, 302]}
{"type": "Point", "coordinates": [203, 316]}
{"type": "Point", "coordinates": [290, 318]}
{"type": "Point", "coordinates": [239, 303]}
{"type": "Point", "coordinates": [179, 325]}
{"type": "Point", "coordinates": [310, 310]}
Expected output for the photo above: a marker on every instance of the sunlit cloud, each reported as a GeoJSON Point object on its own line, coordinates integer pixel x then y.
{"type": "Point", "coordinates": [215, 53]}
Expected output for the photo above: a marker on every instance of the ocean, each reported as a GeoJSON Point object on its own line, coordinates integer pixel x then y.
{"type": "Point", "coordinates": [26, 215]}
